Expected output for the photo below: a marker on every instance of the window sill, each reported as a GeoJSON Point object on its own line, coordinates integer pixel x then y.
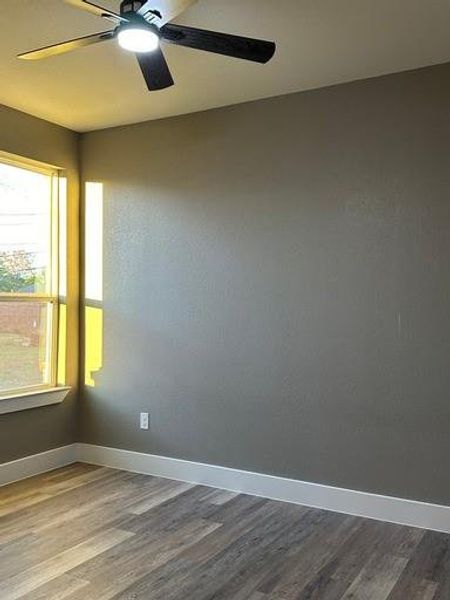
{"type": "Point", "coordinates": [28, 400]}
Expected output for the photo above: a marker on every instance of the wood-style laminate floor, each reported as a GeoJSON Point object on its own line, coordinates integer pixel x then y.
{"type": "Point", "coordinates": [91, 533]}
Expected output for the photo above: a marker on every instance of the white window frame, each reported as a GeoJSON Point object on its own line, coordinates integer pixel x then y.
{"type": "Point", "coordinates": [52, 297]}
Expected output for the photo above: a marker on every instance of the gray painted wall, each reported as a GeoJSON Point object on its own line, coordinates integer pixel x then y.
{"type": "Point", "coordinates": [37, 430]}
{"type": "Point", "coordinates": [277, 286]}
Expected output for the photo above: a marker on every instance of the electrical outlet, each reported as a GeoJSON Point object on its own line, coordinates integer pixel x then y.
{"type": "Point", "coordinates": [144, 420]}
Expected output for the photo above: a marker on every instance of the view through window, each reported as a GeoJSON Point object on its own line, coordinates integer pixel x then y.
{"type": "Point", "coordinates": [28, 278]}
{"type": "Point", "coordinates": [93, 283]}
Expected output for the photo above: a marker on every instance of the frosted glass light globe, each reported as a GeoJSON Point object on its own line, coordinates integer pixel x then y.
{"type": "Point", "coordinates": [138, 39]}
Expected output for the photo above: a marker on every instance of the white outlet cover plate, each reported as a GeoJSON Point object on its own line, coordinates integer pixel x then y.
{"type": "Point", "coordinates": [144, 420]}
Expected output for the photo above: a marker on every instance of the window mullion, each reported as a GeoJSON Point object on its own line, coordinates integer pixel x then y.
{"type": "Point", "coordinates": [28, 298]}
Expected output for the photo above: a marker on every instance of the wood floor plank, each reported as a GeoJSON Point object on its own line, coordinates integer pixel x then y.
{"type": "Point", "coordinates": [370, 537]}
{"type": "Point", "coordinates": [38, 482]}
{"type": "Point", "coordinates": [49, 487]}
{"type": "Point", "coordinates": [377, 578]}
{"type": "Point", "coordinates": [172, 512]}
{"type": "Point", "coordinates": [44, 542]}
{"type": "Point", "coordinates": [25, 502]}
{"type": "Point", "coordinates": [275, 558]}
{"type": "Point", "coordinates": [159, 497]}
{"type": "Point", "coordinates": [220, 497]}
{"type": "Point", "coordinates": [114, 572]}
{"type": "Point", "coordinates": [443, 590]}
{"type": "Point", "coordinates": [425, 590]}
{"type": "Point", "coordinates": [54, 510]}
{"type": "Point", "coordinates": [14, 587]}
{"type": "Point", "coordinates": [302, 562]}
{"type": "Point", "coordinates": [205, 579]}
{"type": "Point", "coordinates": [23, 517]}
{"type": "Point", "coordinates": [93, 533]}
{"type": "Point", "coordinates": [430, 562]}
{"type": "Point", "coordinates": [248, 512]}
{"type": "Point", "coordinates": [59, 588]}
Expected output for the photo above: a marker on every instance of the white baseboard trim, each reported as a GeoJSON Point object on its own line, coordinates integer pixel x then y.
{"type": "Point", "coordinates": [37, 463]}
{"type": "Point", "coordinates": [363, 504]}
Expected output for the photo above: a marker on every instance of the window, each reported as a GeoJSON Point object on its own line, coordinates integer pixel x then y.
{"type": "Point", "coordinates": [93, 283]}
{"type": "Point", "coordinates": [28, 277]}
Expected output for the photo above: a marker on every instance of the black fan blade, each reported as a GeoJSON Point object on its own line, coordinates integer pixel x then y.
{"type": "Point", "coordinates": [94, 9]}
{"type": "Point", "coordinates": [163, 11]}
{"type": "Point", "coordinates": [55, 49]}
{"type": "Point", "coordinates": [155, 69]}
{"type": "Point", "coordinates": [221, 43]}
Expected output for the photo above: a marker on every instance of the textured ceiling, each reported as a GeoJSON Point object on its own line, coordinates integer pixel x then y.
{"type": "Point", "coordinates": [320, 42]}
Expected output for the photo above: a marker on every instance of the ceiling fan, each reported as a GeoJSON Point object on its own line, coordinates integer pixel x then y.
{"type": "Point", "coordinates": [140, 27]}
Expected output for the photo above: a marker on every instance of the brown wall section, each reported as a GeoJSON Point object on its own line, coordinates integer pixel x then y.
{"type": "Point", "coordinates": [37, 430]}
{"type": "Point", "coordinates": [277, 286]}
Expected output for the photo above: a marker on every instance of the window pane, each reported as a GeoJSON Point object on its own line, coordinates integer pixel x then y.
{"type": "Point", "coordinates": [93, 356]}
{"type": "Point", "coordinates": [25, 230]}
{"type": "Point", "coordinates": [93, 234]}
{"type": "Point", "coordinates": [62, 345]}
{"type": "Point", "coordinates": [25, 344]}
{"type": "Point", "coordinates": [93, 290]}
{"type": "Point", "coordinates": [62, 228]}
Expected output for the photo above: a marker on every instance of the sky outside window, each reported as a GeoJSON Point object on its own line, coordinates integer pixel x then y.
{"type": "Point", "coordinates": [25, 223]}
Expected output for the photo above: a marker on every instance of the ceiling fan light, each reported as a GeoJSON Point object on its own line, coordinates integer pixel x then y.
{"type": "Point", "coordinates": [138, 39]}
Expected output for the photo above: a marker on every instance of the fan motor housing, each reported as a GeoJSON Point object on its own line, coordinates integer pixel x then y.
{"type": "Point", "coordinates": [132, 6]}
